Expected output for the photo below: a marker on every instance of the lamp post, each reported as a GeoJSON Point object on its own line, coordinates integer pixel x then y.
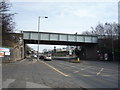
{"type": "Point", "coordinates": [111, 40]}
{"type": "Point", "coordinates": [39, 32]}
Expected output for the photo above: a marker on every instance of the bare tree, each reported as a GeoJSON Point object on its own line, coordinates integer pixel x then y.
{"type": "Point", "coordinates": [7, 24]}
{"type": "Point", "coordinates": [109, 38]}
{"type": "Point", "coordinates": [7, 18]}
{"type": "Point", "coordinates": [104, 30]}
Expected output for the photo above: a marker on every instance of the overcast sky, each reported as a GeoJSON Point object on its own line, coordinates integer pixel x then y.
{"type": "Point", "coordinates": [68, 16]}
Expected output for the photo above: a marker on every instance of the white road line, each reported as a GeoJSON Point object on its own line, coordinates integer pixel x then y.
{"type": "Point", "coordinates": [100, 71]}
{"type": "Point", "coordinates": [87, 75]}
{"type": "Point", "coordinates": [106, 75]}
{"type": "Point", "coordinates": [81, 68]}
{"type": "Point", "coordinates": [76, 71]}
{"type": "Point", "coordinates": [86, 67]}
{"type": "Point", "coordinates": [70, 66]}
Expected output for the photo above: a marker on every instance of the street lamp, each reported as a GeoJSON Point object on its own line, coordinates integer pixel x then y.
{"type": "Point", "coordinates": [39, 32]}
{"type": "Point", "coordinates": [112, 39]}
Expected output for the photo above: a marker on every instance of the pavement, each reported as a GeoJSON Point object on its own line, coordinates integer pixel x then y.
{"type": "Point", "coordinates": [30, 73]}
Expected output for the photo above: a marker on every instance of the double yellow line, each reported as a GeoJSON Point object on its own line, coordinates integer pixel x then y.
{"type": "Point", "coordinates": [66, 75]}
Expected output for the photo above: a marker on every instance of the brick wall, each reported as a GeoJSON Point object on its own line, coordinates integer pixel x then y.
{"type": "Point", "coordinates": [16, 53]}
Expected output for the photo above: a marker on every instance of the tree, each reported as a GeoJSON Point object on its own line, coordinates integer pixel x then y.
{"type": "Point", "coordinates": [109, 38]}
{"type": "Point", "coordinates": [7, 18]}
{"type": "Point", "coordinates": [7, 24]}
{"type": "Point", "coordinates": [104, 30]}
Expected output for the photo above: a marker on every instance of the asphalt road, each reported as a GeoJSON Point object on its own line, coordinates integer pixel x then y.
{"type": "Point", "coordinates": [30, 73]}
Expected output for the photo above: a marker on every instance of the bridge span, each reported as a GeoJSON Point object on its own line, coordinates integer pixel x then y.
{"type": "Point", "coordinates": [88, 42]}
{"type": "Point", "coordinates": [31, 37]}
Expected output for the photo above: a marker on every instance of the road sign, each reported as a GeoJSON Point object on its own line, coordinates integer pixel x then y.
{"type": "Point", "coordinates": [2, 54]}
{"type": "Point", "coordinates": [6, 51]}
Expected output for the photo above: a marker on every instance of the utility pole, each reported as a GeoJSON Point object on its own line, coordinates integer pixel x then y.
{"type": "Point", "coordinates": [39, 33]}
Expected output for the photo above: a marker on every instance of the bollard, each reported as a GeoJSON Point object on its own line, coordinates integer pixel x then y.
{"type": "Point", "coordinates": [78, 59]}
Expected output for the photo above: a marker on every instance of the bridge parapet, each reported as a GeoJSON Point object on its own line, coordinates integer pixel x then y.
{"type": "Point", "coordinates": [47, 36]}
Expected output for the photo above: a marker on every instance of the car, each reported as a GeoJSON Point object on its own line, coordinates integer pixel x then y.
{"type": "Point", "coordinates": [41, 56]}
{"type": "Point", "coordinates": [48, 58]}
{"type": "Point", "coordinates": [35, 56]}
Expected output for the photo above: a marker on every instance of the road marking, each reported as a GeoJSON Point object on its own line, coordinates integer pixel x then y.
{"type": "Point", "coordinates": [81, 68]}
{"type": "Point", "coordinates": [112, 70]}
{"type": "Point", "coordinates": [93, 72]}
{"type": "Point", "coordinates": [106, 75]}
{"type": "Point", "coordinates": [66, 75]}
{"type": "Point", "coordinates": [100, 71]}
{"type": "Point", "coordinates": [76, 71]}
{"type": "Point", "coordinates": [72, 66]}
{"type": "Point", "coordinates": [60, 65]}
{"type": "Point", "coordinates": [87, 75]}
{"type": "Point", "coordinates": [86, 67]}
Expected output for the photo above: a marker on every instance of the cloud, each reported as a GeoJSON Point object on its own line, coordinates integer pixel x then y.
{"type": "Point", "coordinates": [83, 13]}
{"type": "Point", "coordinates": [64, 17]}
{"type": "Point", "coordinates": [95, 10]}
